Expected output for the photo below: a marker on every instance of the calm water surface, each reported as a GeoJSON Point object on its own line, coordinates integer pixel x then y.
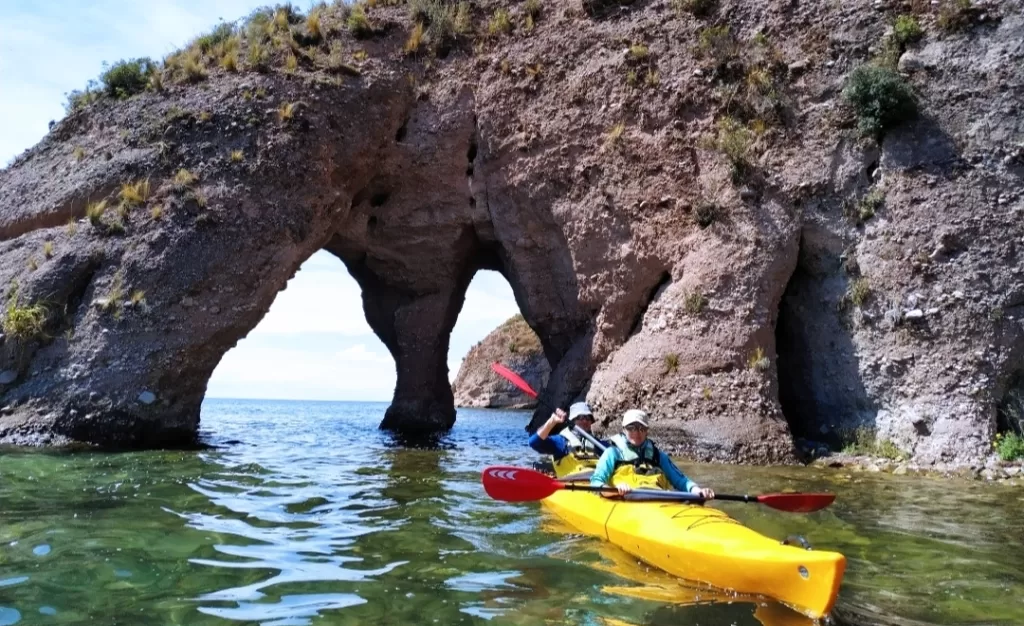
{"type": "Point", "coordinates": [304, 513]}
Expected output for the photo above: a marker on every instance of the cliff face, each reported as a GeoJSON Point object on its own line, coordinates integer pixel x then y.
{"type": "Point", "coordinates": [515, 345]}
{"type": "Point", "coordinates": [678, 194]}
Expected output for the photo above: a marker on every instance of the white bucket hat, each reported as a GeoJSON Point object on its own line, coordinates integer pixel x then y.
{"type": "Point", "coordinates": [634, 416]}
{"type": "Point", "coordinates": [579, 409]}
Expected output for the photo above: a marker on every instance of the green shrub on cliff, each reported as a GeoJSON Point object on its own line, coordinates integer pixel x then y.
{"type": "Point", "coordinates": [23, 321]}
{"type": "Point", "coordinates": [127, 78]}
{"type": "Point", "coordinates": [881, 99]}
{"type": "Point", "coordinates": [1009, 447]}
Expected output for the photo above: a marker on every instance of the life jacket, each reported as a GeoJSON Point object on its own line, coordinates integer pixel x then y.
{"type": "Point", "coordinates": [641, 471]}
{"type": "Point", "coordinates": [581, 448]}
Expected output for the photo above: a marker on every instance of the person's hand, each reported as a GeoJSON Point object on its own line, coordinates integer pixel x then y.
{"type": "Point", "coordinates": [623, 488]}
{"type": "Point", "coordinates": [707, 494]}
{"type": "Point", "coordinates": [559, 416]}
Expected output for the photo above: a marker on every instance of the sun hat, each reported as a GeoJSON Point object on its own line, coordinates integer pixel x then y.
{"type": "Point", "coordinates": [634, 416]}
{"type": "Point", "coordinates": [580, 409]}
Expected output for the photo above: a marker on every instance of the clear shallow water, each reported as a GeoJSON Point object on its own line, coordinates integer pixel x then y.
{"type": "Point", "coordinates": [304, 513]}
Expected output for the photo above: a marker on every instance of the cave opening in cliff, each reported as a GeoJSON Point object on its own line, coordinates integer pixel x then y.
{"type": "Point", "coordinates": [313, 344]}
{"type": "Point", "coordinates": [491, 328]}
{"type": "Point", "coordinates": [792, 359]}
{"type": "Point", "coordinates": [821, 390]}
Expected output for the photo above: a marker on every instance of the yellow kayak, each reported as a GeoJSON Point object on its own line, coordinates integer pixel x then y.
{"type": "Point", "coordinates": [703, 544]}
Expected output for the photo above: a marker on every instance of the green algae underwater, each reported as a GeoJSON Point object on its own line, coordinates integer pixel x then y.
{"type": "Point", "coordinates": [305, 513]}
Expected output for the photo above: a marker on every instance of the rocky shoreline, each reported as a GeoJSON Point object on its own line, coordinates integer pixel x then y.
{"type": "Point", "coordinates": [992, 470]}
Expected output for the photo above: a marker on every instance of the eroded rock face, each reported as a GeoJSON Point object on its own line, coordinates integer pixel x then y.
{"type": "Point", "coordinates": [515, 345]}
{"type": "Point", "coordinates": [662, 261]}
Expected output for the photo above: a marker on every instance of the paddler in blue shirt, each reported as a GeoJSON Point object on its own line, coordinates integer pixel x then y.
{"type": "Point", "coordinates": [561, 445]}
{"type": "Point", "coordinates": [632, 456]}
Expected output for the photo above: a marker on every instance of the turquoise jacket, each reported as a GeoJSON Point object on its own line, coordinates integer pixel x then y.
{"type": "Point", "coordinates": [606, 466]}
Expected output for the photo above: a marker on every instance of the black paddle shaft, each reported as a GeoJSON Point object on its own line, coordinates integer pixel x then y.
{"type": "Point", "coordinates": [653, 494]}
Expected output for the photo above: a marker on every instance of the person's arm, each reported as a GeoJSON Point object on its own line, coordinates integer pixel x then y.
{"type": "Point", "coordinates": [675, 477]}
{"type": "Point", "coordinates": [558, 417]}
{"type": "Point", "coordinates": [605, 468]}
{"type": "Point", "coordinates": [555, 445]}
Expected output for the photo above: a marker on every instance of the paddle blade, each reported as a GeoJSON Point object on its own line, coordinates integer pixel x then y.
{"type": "Point", "coordinates": [797, 502]}
{"type": "Point", "coordinates": [513, 378]}
{"type": "Point", "coordinates": [517, 484]}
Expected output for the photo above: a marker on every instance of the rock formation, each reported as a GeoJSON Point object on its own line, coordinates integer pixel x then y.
{"type": "Point", "coordinates": [678, 193]}
{"type": "Point", "coordinates": [516, 346]}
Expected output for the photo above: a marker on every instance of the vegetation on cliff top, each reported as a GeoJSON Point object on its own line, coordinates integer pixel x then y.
{"type": "Point", "coordinates": [518, 336]}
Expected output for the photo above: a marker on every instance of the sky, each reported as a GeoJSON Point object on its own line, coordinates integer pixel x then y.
{"type": "Point", "coordinates": [51, 47]}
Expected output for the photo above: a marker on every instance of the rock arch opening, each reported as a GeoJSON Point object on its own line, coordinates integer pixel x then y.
{"type": "Point", "coordinates": [313, 344]}
{"type": "Point", "coordinates": [491, 328]}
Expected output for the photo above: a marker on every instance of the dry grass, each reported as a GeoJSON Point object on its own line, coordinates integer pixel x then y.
{"type": "Point", "coordinates": [23, 322]}
{"type": "Point", "coordinates": [184, 178]}
{"type": "Point", "coordinates": [518, 336]}
{"type": "Point", "coordinates": [78, 153]}
{"type": "Point", "coordinates": [532, 12]}
{"type": "Point", "coordinates": [415, 40]}
{"type": "Point", "coordinates": [758, 360]}
{"type": "Point", "coordinates": [860, 291]}
{"type": "Point", "coordinates": [615, 134]}
{"type": "Point", "coordinates": [671, 363]}
{"type": "Point", "coordinates": [48, 249]}
{"type": "Point", "coordinates": [94, 211]}
{"type": "Point", "coordinates": [313, 26]}
{"type": "Point", "coordinates": [694, 301]}
{"type": "Point", "coordinates": [134, 194]}
{"type": "Point", "coordinates": [639, 52]}
{"type": "Point", "coordinates": [237, 156]}
{"type": "Point", "coordinates": [230, 61]}
{"type": "Point", "coordinates": [500, 24]}
{"type": "Point", "coordinates": [358, 24]}
{"type": "Point", "coordinates": [286, 112]}
{"type": "Point", "coordinates": [157, 212]}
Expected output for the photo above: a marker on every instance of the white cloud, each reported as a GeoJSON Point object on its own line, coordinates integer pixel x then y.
{"type": "Point", "coordinates": [320, 298]}
{"type": "Point", "coordinates": [359, 353]}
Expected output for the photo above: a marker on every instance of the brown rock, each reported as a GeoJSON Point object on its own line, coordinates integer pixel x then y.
{"type": "Point", "coordinates": [514, 345]}
{"type": "Point", "coordinates": [731, 322]}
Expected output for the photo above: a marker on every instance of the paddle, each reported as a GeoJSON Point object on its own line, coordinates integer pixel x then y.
{"type": "Point", "coordinates": [518, 381]}
{"type": "Point", "coordinates": [517, 484]}
{"type": "Point", "coordinates": [791, 502]}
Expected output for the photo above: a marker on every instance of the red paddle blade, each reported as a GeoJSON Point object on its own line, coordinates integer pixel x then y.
{"type": "Point", "coordinates": [513, 378]}
{"type": "Point", "coordinates": [517, 484]}
{"type": "Point", "coordinates": [797, 502]}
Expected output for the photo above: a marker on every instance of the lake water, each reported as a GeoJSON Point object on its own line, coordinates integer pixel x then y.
{"type": "Point", "coordinates": [305, 513]}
